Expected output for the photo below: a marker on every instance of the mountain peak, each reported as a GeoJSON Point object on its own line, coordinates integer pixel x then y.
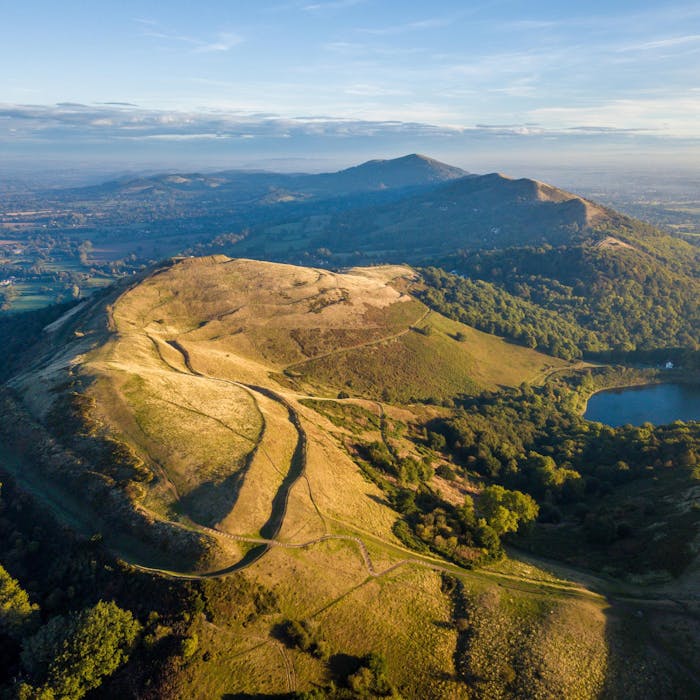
{"type": "Point", "coordinates": [410, 170]}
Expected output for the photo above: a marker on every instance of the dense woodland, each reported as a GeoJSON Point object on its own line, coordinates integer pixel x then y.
{"type": "Point", "coordinates": [582, 298]}
{"type": "Point", "coordinates": [537, 459]}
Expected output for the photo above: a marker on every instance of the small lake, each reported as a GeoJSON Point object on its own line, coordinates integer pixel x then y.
{"type": "Point", "coordinates": [655, 403]}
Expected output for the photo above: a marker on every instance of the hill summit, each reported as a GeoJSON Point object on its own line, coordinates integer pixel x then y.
{"type": "Point", "coordinates": [227, 349]}
{"type": "Point", "coordinates": [407, 171]}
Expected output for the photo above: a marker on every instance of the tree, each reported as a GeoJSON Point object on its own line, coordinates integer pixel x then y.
{"type": "Point", "coordinates": [505, 511]}
{"type": "Point", "coordinates": [371, 678]}
{"type": "Point", "coordinates": [71, 654]}
{"type": "Point", "coordinates": [17, 615]}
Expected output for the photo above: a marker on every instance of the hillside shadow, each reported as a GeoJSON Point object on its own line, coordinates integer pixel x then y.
{"type": "Point", "coordinates": [652, 650]}
{"type": "Point", "coordinates": [379, 499]}
{"type": "Point", "coordinates": [210, 502]}
{"type": "Point", "coordinates": [255, 696]}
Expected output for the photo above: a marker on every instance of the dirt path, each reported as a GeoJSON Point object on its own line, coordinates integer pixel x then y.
{"type": "Point", "coordinates": [543, 375]}
{"type": "Point", "coordinates": [287, 663]}
{"type": "Point", "coordinates": [297, 467]}
{"type": "Point", "coordinates": [358, 346]}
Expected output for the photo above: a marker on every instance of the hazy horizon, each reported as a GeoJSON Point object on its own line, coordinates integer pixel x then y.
{"type": "Point", "coordinates": [300, 85]}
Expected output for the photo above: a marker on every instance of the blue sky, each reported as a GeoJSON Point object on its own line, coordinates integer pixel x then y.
{"type": "Point", "coordinates": [335, 81]}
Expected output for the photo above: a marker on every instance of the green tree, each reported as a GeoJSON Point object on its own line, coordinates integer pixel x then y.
{"type": "Point", "coordinates": [71, 654]}
{"type": "Point", "coordinates": [504, 510]}
{"type": "Point", "coordinates": [17, 615]}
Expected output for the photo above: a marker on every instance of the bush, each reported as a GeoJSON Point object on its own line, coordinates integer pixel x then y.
{"type": "Point", "coordinates": [189, 646]}
{"type": "Point", "coordinates": [446, 472]}
{"type": "Point", "coordinates": [371, 679]}
{"type": "Point", "coordinates": [300, 634]}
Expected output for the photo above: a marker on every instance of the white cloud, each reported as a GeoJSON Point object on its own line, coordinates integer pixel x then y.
{"type": "Point", "coordinates": [369, 90]}
{"type": "Point", "coordinates": [418, 25]}
{"type": "Point", "coordinates": [223, 41]}
{"type": "Point", "coordinates": [331, 5]}
{"type": "Point", "coordinates": [662, 43]}
{"type": "Point", "coordinates": [70, 125]}
{"type": "Point", "coordinates": [674, 116]}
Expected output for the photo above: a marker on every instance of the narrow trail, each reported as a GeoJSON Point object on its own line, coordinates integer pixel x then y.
{"type": "Point", "coordinates": [297, 468]}
{"type": "Point", "coordinates": [358, 346]}
{"type": "Point", "coordinates": [287, 663]}
{"type": "Point", "coordinates": [505, 580]}
{"type": "Point", "coordinates": [271, 529]}
{"type": "Point", "coordinates": [543, 375]}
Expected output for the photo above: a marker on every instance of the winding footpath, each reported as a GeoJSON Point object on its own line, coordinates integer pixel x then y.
{"type": "Point", "coordinates": [297, 470]}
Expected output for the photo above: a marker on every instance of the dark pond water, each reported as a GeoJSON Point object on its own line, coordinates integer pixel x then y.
{"type": "Point", "coordinates": [657, 403]}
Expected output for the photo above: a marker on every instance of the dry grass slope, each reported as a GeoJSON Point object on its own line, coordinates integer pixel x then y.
{"type": "Point", "coordinates": [186, 373]}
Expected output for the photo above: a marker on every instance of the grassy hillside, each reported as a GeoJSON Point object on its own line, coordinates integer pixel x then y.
{"type": "Point", "coordinates": [180, 358]}
{"type": "Point", "coordinates": [325, 540]}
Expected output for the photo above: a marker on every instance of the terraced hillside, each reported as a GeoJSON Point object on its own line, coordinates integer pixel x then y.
{"type": "Point", "coordinates": [197, 420]}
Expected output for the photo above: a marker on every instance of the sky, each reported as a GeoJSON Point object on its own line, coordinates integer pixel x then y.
{"type": "Point", "coordinates": [319, 84]}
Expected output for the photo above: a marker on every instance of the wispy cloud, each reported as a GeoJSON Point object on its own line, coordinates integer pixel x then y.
{"type": "Point", "coordinates": [371, 90]}
{"type": "Point", "coordinates": [223, 41]}
{"type": "Point", "coordinates": [671, 116]}
{"type": "Point", "coordinates": [331, 5]}
{"type": "Point", "coordinates": [363, 50]}
{"type": "Point", "coordinates": [527, 24]}
{"type": "Point", "coordinates": [662, 43]}
{"type": "Point", "coordinates": [95, 123]}
{"type": "Point", "coordinates": [110, 123]}
{"type": "Point", "coordinates": [418, 25]}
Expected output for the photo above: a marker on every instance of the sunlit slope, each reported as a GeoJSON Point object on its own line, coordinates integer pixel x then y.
{"type": "Point", "coordinates": [199, 367]}
{"type": "Point", "coordinates": [352, 331]}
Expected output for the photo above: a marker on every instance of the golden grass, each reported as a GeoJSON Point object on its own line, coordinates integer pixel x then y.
{"type": "Point", "coordinates": [265, 473]}
{"type": "Point", "coordinates": [405, 617]}
{"type": "Point", "coordinates": [339, 488]}
{"type": "Point", "coordinates": [414, 366]}
{"type": "Point", "coordinates": [164, 381]}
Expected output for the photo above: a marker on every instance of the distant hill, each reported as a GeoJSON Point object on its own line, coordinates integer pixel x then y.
{"type": "Point", "coordinates": [413, 170]}
{"type": "Point", "coordinates": [487, 211]}
{"type": "Point", "coordinates": [613, 282]}
{"type": "Point", "coordinates": [626, 285]}
{"type": "Point", "coordinates": [409, 171]}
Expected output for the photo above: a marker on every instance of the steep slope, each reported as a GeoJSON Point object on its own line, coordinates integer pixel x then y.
{"type": "Point", "coordinates": [485, 211]}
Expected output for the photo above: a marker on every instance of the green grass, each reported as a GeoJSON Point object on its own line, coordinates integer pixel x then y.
{"type": "Point", "coordinates": [354, 418]}
{"type": "Point", "coordinates": [417, 366]}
